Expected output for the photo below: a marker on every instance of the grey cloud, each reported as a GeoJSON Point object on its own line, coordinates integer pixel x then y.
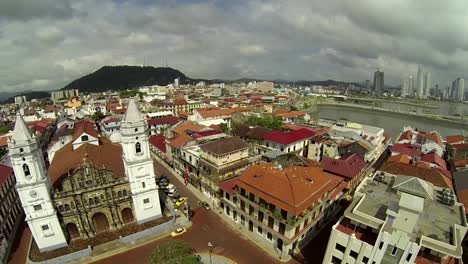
{"type": "Point", "coordinates": [46, 44]}
{"type": "Point", "coordinates": [28, 9]}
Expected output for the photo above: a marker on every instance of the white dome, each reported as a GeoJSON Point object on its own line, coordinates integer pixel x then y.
{"type": "Point", "coordinates": [116, 137]}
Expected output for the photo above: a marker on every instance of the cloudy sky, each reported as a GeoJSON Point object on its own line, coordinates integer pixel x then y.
{"type": "Point", "coordinates": [46, 44]}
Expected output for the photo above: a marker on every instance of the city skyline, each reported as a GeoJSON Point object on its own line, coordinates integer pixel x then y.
{"type": "Point", "coordinates": [47, 45]}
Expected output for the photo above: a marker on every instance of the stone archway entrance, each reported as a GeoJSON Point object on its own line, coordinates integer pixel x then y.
{"type": "Point", "coordinates": [127, 215]}
{"type": "Point", "coordinates": [100, 222]}
{"type": "Point", "coordinates": [72, 231]}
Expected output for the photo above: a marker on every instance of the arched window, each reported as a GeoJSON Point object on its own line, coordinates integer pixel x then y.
{"type": "Point", "coordinates": [60, 208]}
{"type": "Point", "coordinates": [26, 170]}
{"type": "Point", "coordinates": [138, 147]}
{"type": "Point", "coordinates": [91, 201]}
{"type": "Point", "coordinates": [84, 138]}
{"type": "Point", "coordinates": [67, 207]}
{"type": "Point", "coordinates": [96, 200]}
{"type": "Point", "coordinates": [143, 185]}
{"type": "Point", "coordinates": [119, 194]}
{"type": "Point", "coordinates": [125, 193]}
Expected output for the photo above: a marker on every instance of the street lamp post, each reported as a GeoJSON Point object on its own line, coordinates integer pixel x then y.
{"type": "Point", "coordinates": [210, 246]}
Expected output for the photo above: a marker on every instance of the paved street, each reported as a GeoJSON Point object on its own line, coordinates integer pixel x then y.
{"type": "Point", "coordinates": [207, 227]}
{"type": "Point", "coordinates": [20, 250]}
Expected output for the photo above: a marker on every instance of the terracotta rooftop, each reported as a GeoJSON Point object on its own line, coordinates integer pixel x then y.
{"type": "Point", "coordinates": [163, 120]}
{"type": "Point", "coordinates": [460, 146]}
{"type": "Point", "coordinates": [217, 112]}
{"type": "Point", "coordinates": [431, 175]}
{"type": "Point", "coordinates": [347, 167]}
{"type": "Point", "coordinates": [224, 146]}
{"type": "Point", "coordinates": [400, 158]}
{"type": "Point", "coordinates": [292, 189]}
{"type": "Point", "coordinates": [457, 163]}
{"type": "Point", "coordinates": [188, 125]}
{"type": "Point", "coordinates": [406, 135]}
{"type": "Point", "coordinates": [107, 155]}
{"type": "Point", "coordinates": [435, 159]}
{"type": "Point", "coordinates": [408, 149]}
{"type": "Point", "coordinates": [289, 137]}
{"type": "Point", "coordinates": [85, 127]}
{"type": "Point", "coordinates": [291, 114]}
{"type": "Point", "coordinates": [455, 139]}
{"type": "Point", "coordinates": [179, 141]}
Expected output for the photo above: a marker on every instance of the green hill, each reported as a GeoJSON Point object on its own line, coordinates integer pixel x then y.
{"type": "Point", "coordinates": [118, 78]}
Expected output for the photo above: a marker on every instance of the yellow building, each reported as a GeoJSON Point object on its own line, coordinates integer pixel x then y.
{"type": "Point", "coordinates": [74, 103]}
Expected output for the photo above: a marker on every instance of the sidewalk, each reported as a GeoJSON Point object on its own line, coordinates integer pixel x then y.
{"type": "Point", "coordinates": [237, 227]}
{"type": "Point", "coordinates": [116, 247]}
{"type": "Point", "coordinates": [215, 259]}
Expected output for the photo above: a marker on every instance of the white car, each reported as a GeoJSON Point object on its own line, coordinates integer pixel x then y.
{"type": "Point", "coordinates": [178, 232]}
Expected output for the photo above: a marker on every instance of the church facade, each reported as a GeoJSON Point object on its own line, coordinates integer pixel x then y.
{"type": "Point", "coordinates": [92, 185]}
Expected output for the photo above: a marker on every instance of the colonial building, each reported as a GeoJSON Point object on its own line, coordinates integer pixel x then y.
{"type": "Point", "coordinates": [94, 186]}
{"type": "Point", "coordinates": [282, 207]}
{"type": "Point", "coordinates": [399, 219]}
{"type": "Point", "coordinates": [10, 211]}
{"type": "Point", "coordinates": [220, 160]}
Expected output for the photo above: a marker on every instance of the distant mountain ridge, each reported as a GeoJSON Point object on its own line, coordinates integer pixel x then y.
{"type": "Point", "coordinates": [117, 78]}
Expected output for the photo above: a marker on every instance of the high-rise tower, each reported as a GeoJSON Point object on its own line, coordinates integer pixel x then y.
{"type": "Point", "coordinates": [139, 165]}
{"type": "Point", "coordinates": [378, 82]}
{"type": "Point", "coordinates": [33, 186]}
{"type": "Point", "coordinates": [420, 84]}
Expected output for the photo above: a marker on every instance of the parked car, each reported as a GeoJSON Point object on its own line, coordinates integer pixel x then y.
{"type": "Point", "coordinates": [167, 187]}
{"type": "Point", "coordinates": [181, 201]}
{"type": "Point", "coordinates": [178, 232]}
{"type": "Point", "coordinates": [172, 191]}
{"type": "Point", "coordinates": [175, 198]}
{"type": "Point", "coordinates": [206, 205]}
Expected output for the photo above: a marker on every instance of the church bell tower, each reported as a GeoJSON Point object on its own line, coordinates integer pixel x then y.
{"type": "Point", "coordinates": [33, 187]}
{"type": "Point", "coordinates": [139, 165]}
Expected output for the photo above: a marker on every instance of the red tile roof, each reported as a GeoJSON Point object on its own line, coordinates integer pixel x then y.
{"type": "Point", "coordinates": [406, 135]}
{"type": "Point", "coordinates": [163, 120]}
{"type": "Point", "coordinates": [292, 189]}
{"type": "Point", "coordinates": [408, 149]}
{"type": "Point", "coordinates": [460, 146]}
{"type": "Point", "coordinates": [434, 176]}
{"type": "Point", "coordinates": [229, 186]}
{"type": "Point", "coordinates": [400, 158]}
{"type": "Point", "coordinates": [455, 139]}
{"type": "Point", "coordinates": [159, 141]}
{"type": "Point", "coordinates": [111, 120]}
{"type": "Point", "coordinates": [289, 137]}
{"type": "Point", "coordinates": [5, 173]}
{"type": "Point", "coordinates": [347, 167]}
{"type": "Point", "coordinates": [435, 159]}
{"type": "Point", "coordinates": [107, 155]}
{"type": "Point", "coordinates": [85, 127]}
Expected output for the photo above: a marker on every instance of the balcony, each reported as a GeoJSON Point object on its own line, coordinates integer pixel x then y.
{"type": "Point", "coordinates": [364, 234]}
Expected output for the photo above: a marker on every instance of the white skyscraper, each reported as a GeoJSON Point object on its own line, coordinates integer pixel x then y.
{"type": "Point", "coordinates": [139, 165]}
{"type": "Point", "coordinates": [427, 84]}
{"type": "Point", "coordinates": [460, 89]}
{"type": "Point", "coordinates": [404, 87]}
{"type": "Point", "coordinates": [177, 82]}
{"type": "Point", "coordinates": [33, 186]}
{"type": "Point", "coordinates": [411, 86]}
{"type": "Point", "coordinates": [420, 84]}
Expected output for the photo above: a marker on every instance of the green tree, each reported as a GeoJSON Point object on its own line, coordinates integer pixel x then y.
{"type": "Point", "coordinates": [224, 128]}
{"type": "Point", "coordinates": [128, 93]}
{"type": "Point", "coordinates": [173, 252]}
{"type": "Point", "coordinates": [98, 115]}
{"type": "Point", "coordinates": [4, 129]}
